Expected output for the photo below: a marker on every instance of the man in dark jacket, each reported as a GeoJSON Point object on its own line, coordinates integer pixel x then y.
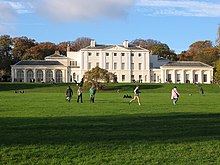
{"type": "Point", "coordinates": [69, 93]}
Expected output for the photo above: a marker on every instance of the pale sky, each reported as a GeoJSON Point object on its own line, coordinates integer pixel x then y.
{"type": "Point", "coordinates": [178, 23]}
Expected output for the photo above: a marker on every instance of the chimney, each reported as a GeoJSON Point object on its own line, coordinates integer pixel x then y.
{"type": "Point", "coordinates": [125, 43]}
{"type": "Point", "coordinates": [68, 47]}
{"type": "Point", "coordinates": [92, 43]}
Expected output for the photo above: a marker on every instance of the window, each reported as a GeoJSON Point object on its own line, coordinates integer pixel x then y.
{"type": "Point", "coordinates": [39, 75]}
{"type": "Point", "coordinates": [132, 66]}
{"type": "Point", "coordinates": [107, 54]}
{"type": "Point", "coordinates": [205, 78]}
{"type": "Point", "coordinates": [59, 76]}
{"type": "Point", "coordinates": [115, 65]}
{"type": "Point", "coordinates": [122, 54]}
{"type": "Point", "coordinates": [196, 77]}
{"type": "Point", "coordinates": [123, 77]}
{"type": "Point", "coordinates": [49, 76]}
{"type": "Point", "coordinates": [178, 77]}
{"type": "Point", "coordinates": [140, 78]}
{"type": "Point", "coordinates": [107, 65]}
{"type": "Point", "coordinates": [122, 66]}
{"type": "Point", "coordinates": [97, 64]}
{"type": "Point", "coordinates": [155, 76]}
{"type": "Point", "coordinates": [169, 78]}
{"type": "Point", "coordinates": [132, 54]}
{"type": "Point", "coordinates": [139, 66]}
{"type": "Point", "coordinates": [132, 78]}
{"type": "Point", "coordinates": [139, 54]}
{"type": "Point", "coordinates": [187, 77]}
{"type": "Point", "coordinates": [73, 63]}
{"type": "Point", "coordinates": [97, 54]}
{"type": "Point", "coordinates": [30, 75]}
{"type": "Point", "coordinates": [115, 54]}
{"type": "Point", "coordinates": [89, 65]}
{"type": "Point", "coordinates": [90, 54]}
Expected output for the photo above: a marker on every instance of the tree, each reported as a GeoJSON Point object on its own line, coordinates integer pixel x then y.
{"type": "Point", "coordinates": [217, 71]}
{"type": "Point", "coordinates": [80, 43]}
{"type": "Point", "coordinates": [5, 54]}
{"type": "Point", "coordinates": [21, 45]}
{"type": "Point", "coordinates": [156, 47]}
{"type": "Point", "coordinates": [40, 51]}
{"type": "Point", "coordinates": [97, 74]}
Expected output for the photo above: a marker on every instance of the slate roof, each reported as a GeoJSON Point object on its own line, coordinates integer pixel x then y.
{"type": "Point", "coordinates": [130, 47]}
{"type": "Point", "coordinates": [187, 64]}
{"type": "Point", "coordinates": [37, 62]}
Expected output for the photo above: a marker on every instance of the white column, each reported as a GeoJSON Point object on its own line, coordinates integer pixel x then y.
{"type": "Point", "coordinates": [192, 76]}
{"type": "Point", "coordinates": [162, 75]}
{"type": "Point", "coordinates": [201, 76]}
{"type": "Point", "coordinates": [183, 76]}
{"type": "Point", "coordinates": [44, 75]}
{"type": "Point", "coordinates": [82, 60]}
{"type": "Point", "coordinates": [35, 75]}
{"type": "Point", "coordinates": [173, 78]}
{"type": "Point", "coordinates": [63, 75]}
{"type": "Point", "coordinates": [54, 75]}
{"type": "Point", "coordinates": [25, 75]}
{"type": "Point", "coordinates": [12, 75]}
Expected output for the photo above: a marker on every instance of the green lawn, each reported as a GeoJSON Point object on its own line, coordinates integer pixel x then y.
{"type": "Point", "coordinates": [40, 127]}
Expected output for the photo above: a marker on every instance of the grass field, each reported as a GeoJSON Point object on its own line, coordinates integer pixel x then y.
{"type": "Point", "coordinates": [40, 127]}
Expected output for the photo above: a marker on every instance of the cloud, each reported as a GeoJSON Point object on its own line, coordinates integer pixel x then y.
{"type": "Point", "coordinates": [197, 8]}
{"type": "Point", "coordinates": [83, 10]}
{"type": "Point", "coordinates": [7, 14]}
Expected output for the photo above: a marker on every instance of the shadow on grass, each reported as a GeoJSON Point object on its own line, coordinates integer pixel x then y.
{"type": "Point", "coordinates": [110, 129]}
{"type": "Point", "coordinates": [131, 86]}
{"type": "Point", "coordinates": [25, 86]}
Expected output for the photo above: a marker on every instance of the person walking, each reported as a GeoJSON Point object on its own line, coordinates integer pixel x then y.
{"type": "Point", "coordinates": [79, 94]}
{"type": "Point", "coordinates": [201, 91]}
{"type": "Point", "coordinates": [92, 92]}
{"type": "Point", "coordinates": [174, 95]}
{"type": "Point", "coordinates": [136, 96]}
{"type": "Point", "coordinates": [69, 93]}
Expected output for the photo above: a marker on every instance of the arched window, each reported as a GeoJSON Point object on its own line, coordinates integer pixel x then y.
{"type": "Point", "coordinates": [20, 75]}
{"type": "Point", "coordinates": [59, 77]}
{"type": "Point", "coordinates": [30, 76]}
{"type": "Point", "coordinates": [49, 76]}
{"type": "Point", "coordinates": [39, 76]}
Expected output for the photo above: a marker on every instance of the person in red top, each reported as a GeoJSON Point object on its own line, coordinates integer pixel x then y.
{"type": "Point", "coordinates": [174, 95]}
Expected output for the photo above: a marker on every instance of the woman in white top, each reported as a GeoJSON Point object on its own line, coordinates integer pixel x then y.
{"type": "Point", "coordinates": [136, 96]}
{"type": "Point", "coordinates": [174, 95]}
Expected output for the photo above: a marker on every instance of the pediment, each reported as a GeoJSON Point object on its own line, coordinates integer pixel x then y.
{"type": "Point", "coordinates": [117, 48]}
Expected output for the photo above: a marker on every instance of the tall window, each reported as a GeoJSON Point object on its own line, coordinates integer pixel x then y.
{"type": "Point", "coordinates": [140, 78]}
{"type": "Point", "coordinates": [30, 75]}
{"type": "Point", "coordinates": [196, 77]}
{"type": "Point", "coordinates": [49, 76]}
{"type": "Point", "coordinates": [20, 75]}
{"type": "Point", "coordinates": [39, 75]}
{"type": "Point", "coordinates": [123, 77]}
{"type": "Point", "coordinates": [187, 77]}
{"type": "Point", "coordinates": [115, 65]}
{"type": "Point", "coordinates": [205, 78]}
{"type": "Point", "coordinates": [139, 66]}
{"type": "Point", "coordinates": [122, 66]}
{"type": "Point", "coordinates": [169, 78]}
{"type": "Point", "coordinates": [97, 64]}
{"type": "Point", "coordinates": [132, 66]}
{"type": "Point", "coordinates": [89, 65]}
{"type": "Point", "coordinates": [59, 77]}
{"type": "Point", "coordinates": [178, 77]}
{"type": "Point", "coordinates": [107, 65]}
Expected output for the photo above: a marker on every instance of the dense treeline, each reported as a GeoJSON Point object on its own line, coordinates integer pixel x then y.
{"type": "Point", "coordinates": [15, 49]}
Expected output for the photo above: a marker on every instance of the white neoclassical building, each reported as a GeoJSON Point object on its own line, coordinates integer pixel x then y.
{"type": "Point", "coordinates": [129, 63]}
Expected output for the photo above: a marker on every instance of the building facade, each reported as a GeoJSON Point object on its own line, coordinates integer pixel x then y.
{"type": "Point", "coordinates": [129, 63]}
